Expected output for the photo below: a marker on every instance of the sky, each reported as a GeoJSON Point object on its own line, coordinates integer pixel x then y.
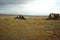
{"type": "Point", "coordinates": [29, 7]}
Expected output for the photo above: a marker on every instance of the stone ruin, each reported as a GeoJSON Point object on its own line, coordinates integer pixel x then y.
{"type": "Point", "coordinates": [20, 17]}
{"type": "Point", "coordinates": [53, 16]}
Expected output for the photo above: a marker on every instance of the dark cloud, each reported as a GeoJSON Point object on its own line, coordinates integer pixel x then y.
{"type": "Point", "coordinates": [4, 2]}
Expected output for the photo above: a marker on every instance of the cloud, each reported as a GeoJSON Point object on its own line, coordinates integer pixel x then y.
{"type": "Point", "coordinates": [4, 2]}
{"type": "Point", "coordinates": [58, 3]}
{"type": "Point", "coordinates": [28, 7]}
{"type": "Point", "coordinates": [42, 6]}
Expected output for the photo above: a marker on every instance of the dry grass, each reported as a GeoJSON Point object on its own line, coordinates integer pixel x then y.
{"type": "Point", "coordinates": [34, 28]}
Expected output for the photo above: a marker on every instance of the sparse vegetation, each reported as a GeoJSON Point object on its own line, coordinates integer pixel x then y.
{"type": "Point", "coordinates": [34, 28]}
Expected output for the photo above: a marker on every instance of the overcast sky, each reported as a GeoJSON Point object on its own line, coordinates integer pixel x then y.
{"type": "Point", "coordinates": [29, 7]}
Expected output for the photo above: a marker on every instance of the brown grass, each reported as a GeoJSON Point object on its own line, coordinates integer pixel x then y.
{"type": "Point", "coordinates": [34, 28]}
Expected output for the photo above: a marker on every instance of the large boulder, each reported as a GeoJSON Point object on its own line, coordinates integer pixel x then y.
{"type": "Point", "coordinates": [19, 17]}
{"type": "Point", "coordinates": [53, 16]}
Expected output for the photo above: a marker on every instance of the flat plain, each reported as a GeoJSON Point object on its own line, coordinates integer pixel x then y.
{"type": "Point", "coordinates": [33, 28]}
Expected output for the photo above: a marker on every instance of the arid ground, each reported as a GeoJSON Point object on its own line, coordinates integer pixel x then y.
{"type": "Point", "coordinates": [33, 28]}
